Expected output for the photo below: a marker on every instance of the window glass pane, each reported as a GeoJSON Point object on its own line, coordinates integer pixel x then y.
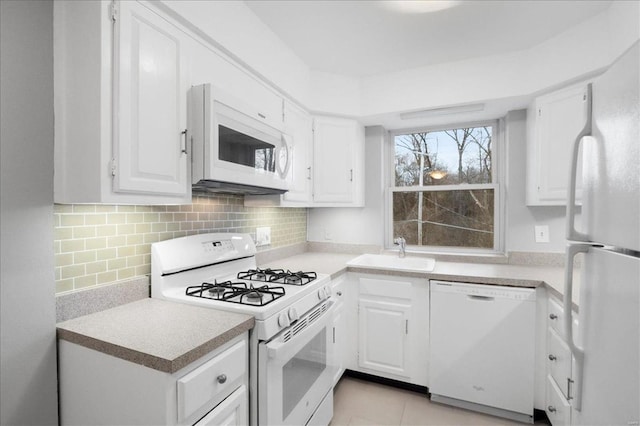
{"type": "Point", "coordinates": [459, 218]}
{"type": "Point", "coordinates": [245, 150]}
{"type": "Point", "coordinates": [444, 157]}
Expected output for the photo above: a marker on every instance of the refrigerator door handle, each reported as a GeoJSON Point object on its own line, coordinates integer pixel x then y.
{"type": "Point", "coordinates": [572, 233]}
{"type": "Point", "coordinates": [578, 352]}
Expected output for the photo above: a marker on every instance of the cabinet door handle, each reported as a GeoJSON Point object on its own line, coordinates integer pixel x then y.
{"type": "Point", "coordinates": [553, 316]}
{"type": "Point", "coordinates": [309, 173]}
{"type": "Point", "coordinates": [339, 293]}
{"type": "Point", "coordinates": [551, 409]}
{"type": "Point", "coordinates": [351, 175]}
{"type": "Point", "coordinates": [222, 378]}
{"type": "Point", "coordinates": [406, 326]}
{"type": "Point", "coordinates": [552, 357]}
{"type": "Point", "coordinates": [184, 141]}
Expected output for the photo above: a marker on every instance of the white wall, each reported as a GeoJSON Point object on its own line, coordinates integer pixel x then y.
{"type": "Point", "coordinates": [579, 51]}
{"type": "Point", "coordinates": [28, 386]}
{"type": "Point", "coordinates": [356, 225]}
{"type": "Point", "coordinates": [235, 28]}
{"type": "Point", "coordinates": [521, 219]}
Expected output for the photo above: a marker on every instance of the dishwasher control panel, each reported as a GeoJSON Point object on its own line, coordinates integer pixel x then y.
{"type": "Point", "coordinates": [484, 291]}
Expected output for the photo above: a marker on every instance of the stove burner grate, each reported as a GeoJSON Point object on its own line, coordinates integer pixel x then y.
{"type": "Point", "coordinates": [236, 292]}
{"type": "Point", "coordinates": [278, 276]}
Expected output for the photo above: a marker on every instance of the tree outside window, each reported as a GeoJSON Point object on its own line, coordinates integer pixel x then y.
{"type": "Point", "coordinates": [444, 187]}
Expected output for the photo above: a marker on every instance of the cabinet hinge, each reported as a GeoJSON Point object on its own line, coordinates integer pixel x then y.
{"type": "Point", "coordinates": [113, 10]}
{"type": "Point", "coordinates": [113, 167]}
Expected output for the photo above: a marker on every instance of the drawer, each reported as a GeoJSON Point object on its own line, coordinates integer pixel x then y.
{"type": "Point", "coordinates": [558, 409]}
{"type": "Point", "coordinates": [555, 319]}
{"type": "Point", "coordinates": [212, 381]}
{"type": "Point", "coordinates": [231, 411]}
{"type": "Point", "coordinates": [558, 360]}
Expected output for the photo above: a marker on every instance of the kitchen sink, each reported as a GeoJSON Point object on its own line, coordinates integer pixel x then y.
{"type": "Point", "coordinates": [394, 263]}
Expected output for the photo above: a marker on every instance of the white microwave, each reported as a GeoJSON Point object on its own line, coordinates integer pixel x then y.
{"type": "Point", "coordinates": [233, 149]}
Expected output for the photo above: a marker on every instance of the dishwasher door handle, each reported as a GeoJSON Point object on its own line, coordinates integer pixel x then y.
{"type": "Point", "coordinates": [481, 298]}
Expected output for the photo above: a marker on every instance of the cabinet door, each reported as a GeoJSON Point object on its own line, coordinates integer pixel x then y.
{"type": "Point", "coordinates": [383, 330]}
{"type": "Point", "coordinates": [558, 408]}
{"type": "Point", "coordinates": [338, 339]}
{"type": "Point", "coordinates": [150, 150]}
{"type": "Point", "coordinates": [559, 117]}
{"type": "Point", "coordinates": [298, 128]}
{"type": "Point", "coordinates": [336, 171]}
{"type": "Point", "coordinates": [230, 412]}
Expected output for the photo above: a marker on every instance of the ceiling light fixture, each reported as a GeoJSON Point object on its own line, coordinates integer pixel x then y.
{"type": "Point", "coordinates": [432, 112]}
{"type": "Point", "coordinates": [437, 174]}
{"type": "Point", "coordinates": [419, 6]}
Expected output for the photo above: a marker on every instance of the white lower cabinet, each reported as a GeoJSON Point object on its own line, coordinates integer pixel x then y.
{"type": "Point", "coordinates": [560, 363]}
{"type": "Point", "coordinates": [558, 408]}
{"type": "Point", "coordinates": [231, 412]}
{"type": "Point", "coordinates": [96, 388]}
{"type": "Point", "coordinates": [339, 328]}
{"type": "Point", "coordinates": [392, 327]}
{"type": "Point", "coordinates": [383, 343]}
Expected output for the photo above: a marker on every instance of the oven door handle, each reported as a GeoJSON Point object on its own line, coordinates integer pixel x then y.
{"type": "Point", "coordinates": [283, 350]}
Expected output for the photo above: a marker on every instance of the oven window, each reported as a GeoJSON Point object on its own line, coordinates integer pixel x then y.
{"type": "Point", "coordinates": [245, 150]}
{"type": "Point", "coordinates": [301, 372]}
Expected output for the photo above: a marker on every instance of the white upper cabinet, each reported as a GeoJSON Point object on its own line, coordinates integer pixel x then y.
{"type": "Point", "coordinates": [297, 127]}
{"type": "Point", "coordinates": [338, 162]}
{"type": "Point", "coordinates": [553, 123]}
{"type": "Point", "coordinates": [120, 83]}
{"type": "Point", "coordinates": [150, 143]}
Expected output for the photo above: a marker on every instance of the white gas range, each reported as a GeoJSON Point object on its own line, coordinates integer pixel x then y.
{"type": "Point", "coordinates": [291, 361]}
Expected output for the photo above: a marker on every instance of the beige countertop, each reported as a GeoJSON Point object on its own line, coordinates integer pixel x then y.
{"type": "Point", "coordinates": [482, 273]}
{"type": "Point", "coordinates": [162, 335]}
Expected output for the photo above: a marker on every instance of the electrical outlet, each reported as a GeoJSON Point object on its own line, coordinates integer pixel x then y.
{"type": "Point", "coordinates": [542, 233]}
{"type": "Point", "coordinates": [263, 236]}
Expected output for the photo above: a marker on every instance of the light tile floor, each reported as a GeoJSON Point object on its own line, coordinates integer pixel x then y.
{"type": "Point", "coordinates": [359, 402]}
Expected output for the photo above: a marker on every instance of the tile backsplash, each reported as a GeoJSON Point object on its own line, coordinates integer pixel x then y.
{"type": "Point", "coordinates": [100, 244]}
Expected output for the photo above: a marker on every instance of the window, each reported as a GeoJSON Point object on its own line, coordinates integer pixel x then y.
{"type": "Point", "coordinates": [445, 191]}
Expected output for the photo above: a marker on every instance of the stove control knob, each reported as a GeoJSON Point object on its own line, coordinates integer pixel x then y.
{"type": "Point", "coordinates": [293, 314]}
{"type": "Point", "coordinates": [327, 291]}
{"type": "Point", "coordinates": [283, 320]}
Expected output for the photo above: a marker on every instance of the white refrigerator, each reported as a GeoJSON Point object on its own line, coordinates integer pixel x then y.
{"type": "Point", "coordinates": [606, 388]}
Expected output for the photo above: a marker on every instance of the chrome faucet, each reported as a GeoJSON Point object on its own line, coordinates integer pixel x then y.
{"type": "Point", "coordinates": [402, 243]}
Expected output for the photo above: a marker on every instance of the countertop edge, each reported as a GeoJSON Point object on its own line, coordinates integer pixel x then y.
{"type": "Point", "coordinates": [474, 279]}
{"type": "Point", "coordinates": [153, 361]}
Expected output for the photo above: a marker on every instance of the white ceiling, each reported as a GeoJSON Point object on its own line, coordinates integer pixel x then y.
{"type": "Point", "coordinates": [361, 38]}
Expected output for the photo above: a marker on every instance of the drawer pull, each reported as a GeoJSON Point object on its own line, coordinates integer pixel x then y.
{"type": "Point", "coordinates": [552, 357]}
{"type": "Point", "coordinates": [551, 409]}
{"type": "Point", "coordinates": [339, 293]}
{"type": "Point", "coordinates": [553, 316]}
{"type": "Point", "coordinates": [222, 378]}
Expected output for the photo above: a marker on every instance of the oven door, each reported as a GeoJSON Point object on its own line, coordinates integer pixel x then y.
{"type": "Point", "coordinates": [295, 369]}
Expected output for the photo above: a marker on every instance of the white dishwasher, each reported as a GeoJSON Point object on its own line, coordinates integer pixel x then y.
{"type": "Point", "coordinates": [482, 348]}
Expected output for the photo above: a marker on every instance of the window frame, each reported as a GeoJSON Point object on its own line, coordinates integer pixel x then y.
{"type": "Point", "coordinates": [497, 184]}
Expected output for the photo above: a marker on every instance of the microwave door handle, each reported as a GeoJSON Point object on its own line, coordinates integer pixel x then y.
{"type": "Point", "coordinates": [572, 233]}
{"type": "Point", "coordinates": [284, 148]}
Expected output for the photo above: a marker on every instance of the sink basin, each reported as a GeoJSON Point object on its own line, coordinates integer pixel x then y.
{"type": "Point", "coordinates": [394, 263]}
